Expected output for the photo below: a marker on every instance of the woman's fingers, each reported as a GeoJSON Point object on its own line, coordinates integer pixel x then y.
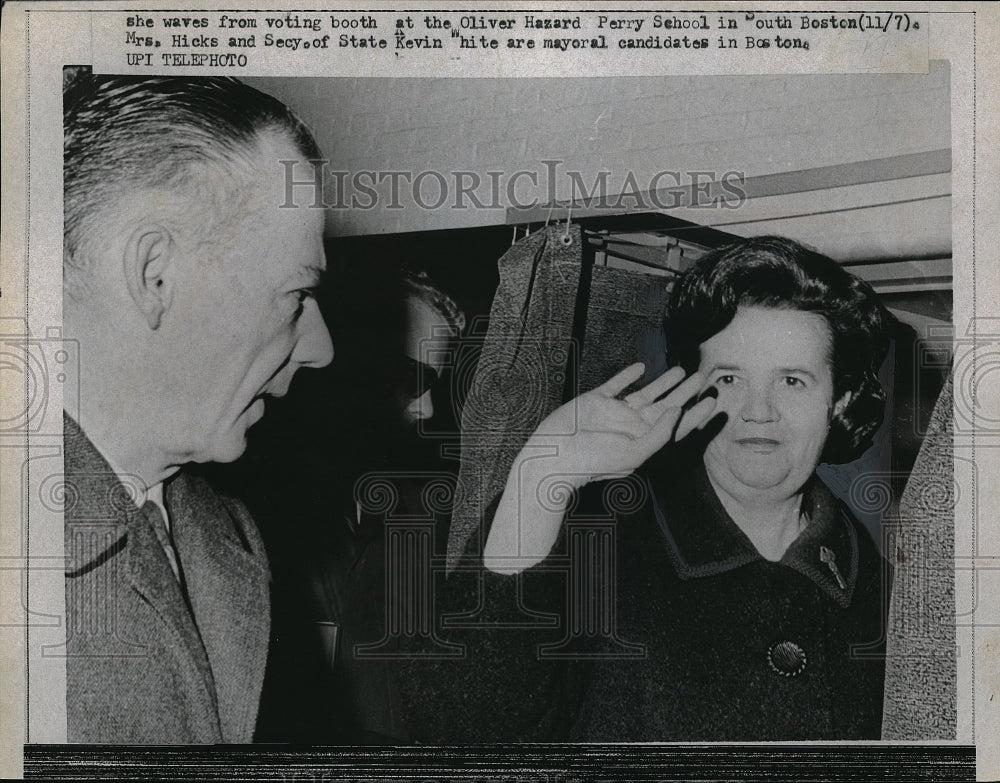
{"type": "Point", "coordinates": [676, 399]}
{"type": "Point", "coordinates": [675, 422]}
{"type": "Point", "coordinates": [651, 391]}
{"type": "Point", "coordinates": [695, 417]}
{"type": "Point", "coordinates": [647, 422]}
{"type": "Point", "coordinates": [618, 383]}
{"type": "Point", "coordinates": [661, 431]}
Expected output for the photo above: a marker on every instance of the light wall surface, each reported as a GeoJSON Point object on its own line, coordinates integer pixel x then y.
{"type": "Point", "coordinates": [754, 125]}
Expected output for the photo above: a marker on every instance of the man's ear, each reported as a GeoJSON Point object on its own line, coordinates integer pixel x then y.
{"type": "Point", "coordinates": [149, 263]}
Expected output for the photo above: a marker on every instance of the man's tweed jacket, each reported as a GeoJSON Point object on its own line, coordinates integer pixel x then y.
{"type": "Point", "coordinates": [147, 663]}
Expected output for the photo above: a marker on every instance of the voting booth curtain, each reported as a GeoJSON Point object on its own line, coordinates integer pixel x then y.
{"type": "Point", "coordinates": [559, 326]}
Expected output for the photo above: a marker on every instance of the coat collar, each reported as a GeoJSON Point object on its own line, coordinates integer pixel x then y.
{"type": "Point", "coordinates": [702, 539]}
{"type": "Point", "coordinates": [99, 496]}
{"type": "Point", "coordinates": [221, 625]}
{"type": "Point", "coordinates": [103, 503]}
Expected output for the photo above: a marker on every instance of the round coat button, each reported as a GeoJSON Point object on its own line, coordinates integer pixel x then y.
{"type": "Point", "coordinates": [787, 659]}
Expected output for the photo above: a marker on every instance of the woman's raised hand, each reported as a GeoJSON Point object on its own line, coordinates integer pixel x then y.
{"type": "Point", "coordinates": [598, 435]}
{"type": "Point", "coordinates": [593, 436]}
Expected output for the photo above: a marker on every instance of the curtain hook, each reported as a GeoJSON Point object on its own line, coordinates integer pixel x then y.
{"type": "Point", "coordinates": [567, 238]}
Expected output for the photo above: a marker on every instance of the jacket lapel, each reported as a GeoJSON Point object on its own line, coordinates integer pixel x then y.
{"type": "Point", "coordinates": [227, 578]}
{"type": "Point", "coordinates": [102, 496]}
{"type": "Point", "coordinates": [151, 576]}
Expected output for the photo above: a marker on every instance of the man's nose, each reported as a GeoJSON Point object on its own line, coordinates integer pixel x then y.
{"type": "Point", "coordinates": [758, 405]}
{"type": "Point", "coordinates": [421, 408]}
{"type": "Point", "coordinates": [315, 347]}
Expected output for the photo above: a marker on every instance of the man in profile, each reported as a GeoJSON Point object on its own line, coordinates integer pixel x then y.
{"type": "Point", "coordinates": [190, 292]}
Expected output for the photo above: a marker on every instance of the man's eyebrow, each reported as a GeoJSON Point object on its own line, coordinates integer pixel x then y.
{"type": "Point", "coordinates": [726, 367]}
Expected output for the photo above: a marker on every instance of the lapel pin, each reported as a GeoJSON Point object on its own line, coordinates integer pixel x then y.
{"type": "Point", "coordinates": [827, 556]}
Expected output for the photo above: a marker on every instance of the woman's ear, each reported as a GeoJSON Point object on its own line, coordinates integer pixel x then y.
{"type": "Point", "coordinates": [148, 265]}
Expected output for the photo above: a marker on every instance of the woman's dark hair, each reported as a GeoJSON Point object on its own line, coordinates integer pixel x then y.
{"type": "Point", "coordinates": [779, 273]}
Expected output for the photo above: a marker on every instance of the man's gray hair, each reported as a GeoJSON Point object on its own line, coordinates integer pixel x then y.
{"type": "Point", "coordinates": [194, 138]}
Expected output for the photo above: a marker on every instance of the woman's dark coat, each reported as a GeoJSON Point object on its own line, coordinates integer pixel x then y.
{"type": "Point", "coordinates": [655, 619]}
